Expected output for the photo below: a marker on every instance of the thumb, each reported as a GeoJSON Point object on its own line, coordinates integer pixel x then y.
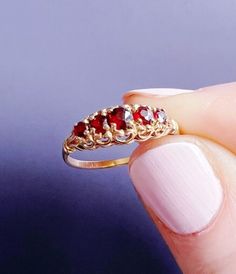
{"type": "Point", "coordinates": [187, 185]}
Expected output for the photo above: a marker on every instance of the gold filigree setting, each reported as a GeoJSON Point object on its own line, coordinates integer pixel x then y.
{"type": "Point", "coordinates": [139, 123]}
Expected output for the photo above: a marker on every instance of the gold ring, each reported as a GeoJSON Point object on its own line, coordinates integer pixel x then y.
{"type": "Point", "coordinates": [116, 125]}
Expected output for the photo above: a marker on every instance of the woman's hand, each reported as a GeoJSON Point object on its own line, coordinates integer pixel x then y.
{"type": "Point", "coordinates": [188, 182]}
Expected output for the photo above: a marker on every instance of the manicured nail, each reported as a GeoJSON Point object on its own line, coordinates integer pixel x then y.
{"type": "Point", "coordinates": [177, 182]}
{"type": "Point", "coordinates": [160, 92]}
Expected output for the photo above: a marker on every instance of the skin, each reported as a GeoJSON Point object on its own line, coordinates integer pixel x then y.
{"type": "Point", "coordinates": [211, 125]}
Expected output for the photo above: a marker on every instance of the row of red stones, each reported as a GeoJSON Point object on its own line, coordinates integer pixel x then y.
{"type": "Point", "coordinates": [117, 116]}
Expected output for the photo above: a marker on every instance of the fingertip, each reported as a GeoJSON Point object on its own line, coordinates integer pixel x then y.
{"type": "Point", "coordinates": [182, 181]}
{"type": "Point", "coordinates": [219, 87]}
{"type": "Point", "coordinates": [209, 112]}
{"type": "Point", "coordinates": [159, 92]}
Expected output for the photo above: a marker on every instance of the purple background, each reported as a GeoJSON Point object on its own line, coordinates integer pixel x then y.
{"type": "Point", "coordinates": [60, 60]}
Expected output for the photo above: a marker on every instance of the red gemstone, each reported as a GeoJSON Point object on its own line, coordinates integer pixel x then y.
{"type": "Point", "coordinates": [145, 114]}
{"type": "Point", "coordinates": [119, 116]}
{"type": "Point", "coordinates": [79, 129]}
{"type": "Point", "coordinates": [97, 123]}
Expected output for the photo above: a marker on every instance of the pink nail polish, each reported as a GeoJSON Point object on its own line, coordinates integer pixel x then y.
{"type": "Point", "coordinates": [178, 183]}
{"type": "Point", "coordinates": [159, 92]}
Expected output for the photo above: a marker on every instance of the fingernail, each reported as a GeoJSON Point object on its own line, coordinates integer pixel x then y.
{"type": "Point", "coordinates": [160, 92]}
{"type": "Point", "coordinates": [177, 182]}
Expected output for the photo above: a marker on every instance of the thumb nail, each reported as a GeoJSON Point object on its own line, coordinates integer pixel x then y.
{"type": "Point", "coordinates": [177, 182]}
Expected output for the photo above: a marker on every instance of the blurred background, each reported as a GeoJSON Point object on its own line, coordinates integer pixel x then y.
{"type": "Point", "coordinates": [59, 61]}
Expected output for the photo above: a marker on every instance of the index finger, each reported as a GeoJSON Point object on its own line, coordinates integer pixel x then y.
{"type": "Point", "coordinates": [209, 112]}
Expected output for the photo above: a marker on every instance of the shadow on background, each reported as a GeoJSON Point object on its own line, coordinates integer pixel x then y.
{"type": "Point", "coordinates": [54, 224]}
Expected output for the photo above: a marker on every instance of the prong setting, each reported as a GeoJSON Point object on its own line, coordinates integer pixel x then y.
{"type": "Point", "coordinates": [121, 124]}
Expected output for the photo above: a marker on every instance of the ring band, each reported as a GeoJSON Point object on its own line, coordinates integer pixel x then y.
{"type": "Point", "coordinates": [116, 125]}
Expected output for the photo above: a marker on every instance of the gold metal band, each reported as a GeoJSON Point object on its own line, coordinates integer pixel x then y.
{"type": "Point", "coordinates": [116, 126]}
{"type": "Point", "coordinates": [93, 164]}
